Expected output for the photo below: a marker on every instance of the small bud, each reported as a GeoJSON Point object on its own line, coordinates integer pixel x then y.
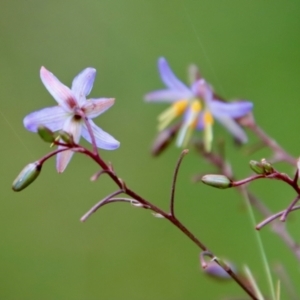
{"type": "Point", "coordinates": [45, 134]}
{"type": "Point", "coordinates": [66, 137]}
{"type": "Point", "coordinates": [213, 269]}
{"type": "Point", "coordinates": [163, 139]}
{"type": "Point", "coordinates": [267, 166]}
{"type": "Point", "coordinates": [157, 215]}
{"type": "Point", "coordinates": [27, 176]}
{"type": "Point", "coordinates": [257, 167]}
{"type": "Point", "coordinates": [217, 181]}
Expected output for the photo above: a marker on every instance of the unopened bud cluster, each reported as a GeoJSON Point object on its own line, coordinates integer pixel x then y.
{"type": "Point", "coordinates": [262, 167]}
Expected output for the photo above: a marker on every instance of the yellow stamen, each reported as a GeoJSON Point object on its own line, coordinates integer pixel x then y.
{"type": "Point", "coordinates": [180, 106]}
{"type": "Point", "coordinates": [196, 106]}
{"type": "Point", "coordinates": [208, 118]}
{"type": "Point", "coordinates": [167, 116]}
{"type": "Point", "coordinates": [189, 124]}
{"type": "Point", "coordinates": [208, 133]}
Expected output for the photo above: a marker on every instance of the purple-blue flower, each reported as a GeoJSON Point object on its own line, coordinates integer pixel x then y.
{"type": "Point", "coordinates": [198, 106]}
{"type": "Point", "coordinates": [66, 115]}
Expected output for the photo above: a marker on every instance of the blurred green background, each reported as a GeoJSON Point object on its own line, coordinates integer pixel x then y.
{"type": "Point", "coordinates": [247, 49]}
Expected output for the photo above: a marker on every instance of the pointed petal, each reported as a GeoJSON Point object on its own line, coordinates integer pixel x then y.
{"type": "Point", "coordinates": [63, 158]}
{"type": "Point", "coordinates": [165, 96]}
{"type": "Point", "coordinates": [203, 90]}
{"type": "Point", "coordinates": [170, 80]}
{"type": "Point", "coordinates": [61, 93]}
{"type": "Point", "coordinates": [51, 117]}
{"type": "Point", "coordinates": [232, 109]}
{"type": "Point", "coordinates": [83, 84]}
{"type": "Point", "coordinates": [233, 128]}
{"type": "Point", "coordinates": [103, 139]}
{"type": "Point", "coordinates": [94, 107]}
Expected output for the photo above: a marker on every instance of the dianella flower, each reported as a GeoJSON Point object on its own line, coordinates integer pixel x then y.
{"type": "Point", "coordinates": [198, 106]}
{"type": "Point", "coordinates": [70, 112]}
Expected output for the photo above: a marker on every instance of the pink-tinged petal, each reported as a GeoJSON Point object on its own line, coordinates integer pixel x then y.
{"type": "Point", "coordinates": [170, 80]}
{"type": "Point", "coordinates": [235, 129]}
{"type": "Point", "coordinates": [73, 127]}
{"type": "Point", "coordinates": [103, 139]}
{"type": "Point", "coordinates": [94, 107]}
{"type": "Point", "coordinates": [83, 84]}
{"type": "Point", "coordinates": [166, 96]}
{"type": "Point", "coordinates": [201, 89]}
{"type": "Point", "coordinates": [232, 109]}
{"type": "Point", "coordinates": [61, 93]}
{"type": "Point", "coordinates": [51, 117]}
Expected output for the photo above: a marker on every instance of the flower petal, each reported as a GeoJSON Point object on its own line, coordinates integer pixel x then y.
{"type": "Point", "coordinates": [61, 93]}
{"type": "Point", "coordinates": [232, 109]}
{"type": "Point", "coordinates": [103, 139]}
{"type": "Point", "coordinates": [51, 117]}
{"type": "Point", "coordinates": [83, 83]}
{"type": "Point", "coordinates": [94, 107]}
{"type": "Point", "coordinates": [165, 96]}
{"type": "Point", "coordinates": [170, 80]}
{"type": "Point", "coordinates": [233, 128]}
{"type": "Point", "coordinates": [63, 158]}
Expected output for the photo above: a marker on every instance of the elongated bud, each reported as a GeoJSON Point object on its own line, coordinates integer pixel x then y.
{"type": "Point", "coordinates": [27, 176]}
{"type": "Point", "coordinates": [214, 270]}
{"type": "Point", "coordinates": [256, 167]}
{"type": "Point", "coordinates": [267, 166]}
{"type": "Point", "coordinates": [163, 139]}
{"type": "Point", "coordinates": [66, 137]}
{"type": "Point", "coordinates": [217, 181]}
{"type": "Point", "coordinates": [45, 134]}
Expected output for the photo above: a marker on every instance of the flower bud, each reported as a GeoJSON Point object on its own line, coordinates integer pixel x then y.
{"type": "Point", "coordinates": [214, 270]}
{"type": "Point", "coordinates": [217, 181]}
{"type": "Point", "coordinates": [27, 176]}
{"type": "Point", "coordinates": [256, 167]}
{"type": "Point", "coordinates": [45, 134]}
{"type": "Point", "coordinates": [163, 139]}
{"type": "Point", "coordinates": [66, 137]}
{"type": "Point", "coordinates": [267, 166]}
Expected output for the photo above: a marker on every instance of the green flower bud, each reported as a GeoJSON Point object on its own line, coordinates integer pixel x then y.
{"type": "Point", "coordinates": [27, 176]}
{"type": "Point", "coordinates": [267, 166]}
{"type": "Point", "coordinates": [217, 181]}
{"type": "Point", "coordinates": [66, 137]}
{"type": "Point", "coordinates": [257, 167]}
{"type": "Point", "coordinates": [46, 134]}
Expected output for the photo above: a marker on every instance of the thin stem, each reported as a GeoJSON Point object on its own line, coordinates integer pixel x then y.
{"type": "Point", "coordinates": [53, 153]}
{"type": "Point", "coordinates": [274, 217]}
{"type": "Point", "coordinates": [99, 204]}
{"type": "Point", "coordinates": [261, 247]}
{"type": "Point", "coordinates": [183, 153]}
{"type": "Point", "coordinates": [287, 211]}
{"type": "Point", "coordinates": [169, 217]}
{"type": "Point", "coordinates": [278, 228]}
{"type": "Point", "coordinates": [279, 152]}
{"type": "Point", "coordinates": [246, 180]}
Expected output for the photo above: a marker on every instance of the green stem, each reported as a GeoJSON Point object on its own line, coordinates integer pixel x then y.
{"type": "Point", "coordinates": [260, 245]}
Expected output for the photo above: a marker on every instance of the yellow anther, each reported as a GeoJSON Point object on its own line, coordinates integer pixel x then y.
{"type": "Point", "coordinates": [208, 118]}
{"type": "Point", "coordinates": [180, 106]}
{"type": "Point", "coordinates": [167, 116]}
{"type": "Point", "coordinates": [196, 106]}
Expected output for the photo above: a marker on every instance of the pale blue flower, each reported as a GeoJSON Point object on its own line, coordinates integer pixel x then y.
{"type": "Point", "coordinates": [66, 116]}
{"type": "Point", "coordinates": [198, 106]}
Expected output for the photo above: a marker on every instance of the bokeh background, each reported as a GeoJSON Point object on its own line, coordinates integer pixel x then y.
{"type": "Point", "coordinates": [247, 49]}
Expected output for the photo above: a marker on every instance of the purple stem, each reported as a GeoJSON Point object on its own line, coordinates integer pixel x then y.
{"type": "Point", "coordinates": [99, 204]}
{"type": "Point", "coordinates": [183, 153]}
{"type": "Point", "coordinates": [273, 217]}
{"type": "Point", "coordinates": [120, 183]}
{"type": "Point", "coordinates": [279, 152]}
{"type": "Point", "coordinates": [287, 211]}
